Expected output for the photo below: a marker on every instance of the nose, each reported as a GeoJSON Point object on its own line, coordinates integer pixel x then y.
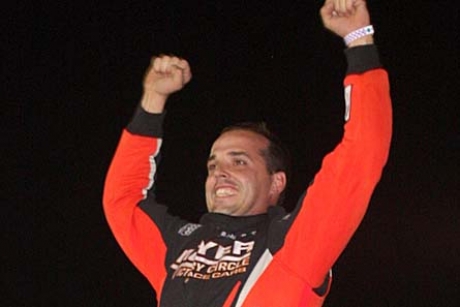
{"type": "Point", "coordinates": [220, 171]}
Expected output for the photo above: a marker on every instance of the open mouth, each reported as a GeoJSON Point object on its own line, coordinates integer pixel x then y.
{"type": "Point", "coordinates": [225, 192]}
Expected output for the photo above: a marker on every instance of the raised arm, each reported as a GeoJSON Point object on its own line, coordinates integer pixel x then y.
{"type": "Point", "coordinates": [136, 223]}
{"type": "Point", "coordinates": [337, 200]}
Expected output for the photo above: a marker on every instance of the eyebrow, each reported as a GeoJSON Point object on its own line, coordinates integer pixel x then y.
{"type": "Point", "coordinates": [231, 153]}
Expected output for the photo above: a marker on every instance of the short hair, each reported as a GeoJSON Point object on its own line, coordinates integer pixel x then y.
{"type": "Point", "coordinates": [276, 155]}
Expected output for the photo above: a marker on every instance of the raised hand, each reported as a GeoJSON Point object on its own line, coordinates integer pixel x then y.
{"type": "Point", "coordinates": [166, 75]}
{"type": "Point", "coordinates": [345, 16]}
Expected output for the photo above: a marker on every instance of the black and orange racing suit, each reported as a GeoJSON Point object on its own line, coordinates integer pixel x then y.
{"type": "Point", "coordinates": [275, 259]}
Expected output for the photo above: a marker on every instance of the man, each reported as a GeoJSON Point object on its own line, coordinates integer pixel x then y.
{"type": "Point", "coordinates": [247, 251]}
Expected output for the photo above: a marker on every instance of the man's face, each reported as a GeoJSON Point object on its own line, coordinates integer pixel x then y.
{"type": "Point", "coordinates": [238, 181]}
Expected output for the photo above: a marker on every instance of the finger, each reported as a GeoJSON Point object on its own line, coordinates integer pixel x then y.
{"type": "Point", "coordinates": [332, 7]}
{"type": "Point", "coordinates": [152, 60]}
{"type": "Point", "coordinates": [181, 70]}
{"type": "Point", "coordinates": [157, 64]}
{"type": "Point", "coordinates": [177, 74]}
{"type": "Point", "coordinates": [178, 67]}
{"type": "Point", "coordinates": [327, 11]}
{"type": "Point", "coordinates": [179, 63]}
{"type": "Point", "coordinates": [165, 66]}
{"type": "Point", "coordinates": [350, 6]}
{"type": "Point", "coordinates": [186, 71]}
{"type": "Point", "coordinates": [342, 7]}
{"type": "Point", "coordinates": [183, 64]}
{"type": "Point", "coordinates": [176, 62]}
{"type": "Point", "coordinates": [359, 4]}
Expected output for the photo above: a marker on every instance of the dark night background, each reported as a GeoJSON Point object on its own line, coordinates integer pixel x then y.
{"type": "Point", "coordinates": [72, 74]}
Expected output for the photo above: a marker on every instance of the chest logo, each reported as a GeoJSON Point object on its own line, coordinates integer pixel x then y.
{"type": "Point", "coordinates": [210, 260]}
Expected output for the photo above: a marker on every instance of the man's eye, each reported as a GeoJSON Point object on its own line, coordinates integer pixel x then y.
{"type": "Point", "coordinates": [240, 162]}
{"type": "Point", "coordinates": [211, 167]}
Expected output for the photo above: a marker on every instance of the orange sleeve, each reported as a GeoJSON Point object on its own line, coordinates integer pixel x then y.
{"type": "Point", "coordinates": [129, 176]}
{"type": "Point", "coordinates": [336, 202]}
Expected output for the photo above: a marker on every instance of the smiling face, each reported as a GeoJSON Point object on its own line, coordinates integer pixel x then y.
{"type": "Point", "coordinates": [238, 181]}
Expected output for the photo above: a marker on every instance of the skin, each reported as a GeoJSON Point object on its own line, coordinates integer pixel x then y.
{"type": "Point", "coordinates": [345, 16]}
{"type": "Point", "coordinates": [238, 181]}
{"type": "Point", "coordinates": [247, 188]}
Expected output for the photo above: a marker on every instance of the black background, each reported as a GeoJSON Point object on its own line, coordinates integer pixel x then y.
{"type": "Point", "coordinates": [72, 75]}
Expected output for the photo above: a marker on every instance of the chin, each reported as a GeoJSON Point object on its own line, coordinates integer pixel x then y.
{"type": "Point", "coordinates": [221, 209]}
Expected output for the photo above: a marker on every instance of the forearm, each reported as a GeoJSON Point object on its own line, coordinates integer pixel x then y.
{"type": "Point", "coordinates": [129, 177]}
{"type": "Point", "coordinates": [367, 93]}
{"type": "Point", "coordinates": [153, 103]}
{"type": "Point", "coordinates": [130, 172]}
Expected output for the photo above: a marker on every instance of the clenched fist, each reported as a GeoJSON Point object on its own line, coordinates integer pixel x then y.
{"type": "Point", "coordinates": [345, 16]}
{"type": "Point", "coordinates": [166, 75]}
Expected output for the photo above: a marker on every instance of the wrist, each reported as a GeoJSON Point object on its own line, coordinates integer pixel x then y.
{"type": "Point", "coordinates": [146, 124]}
{"type": "Point", "coordinates": [366, 40]}
{"type": "Point", "coordinates": [361, 36]}
{"type": "Point", "coordinates": [153, 102]}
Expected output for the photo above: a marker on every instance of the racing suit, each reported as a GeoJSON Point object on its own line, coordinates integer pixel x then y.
{"type": "Point", "coordinates": [275, 259]}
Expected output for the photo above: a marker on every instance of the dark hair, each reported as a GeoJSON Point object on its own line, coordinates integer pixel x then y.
{"type": "Point", "coordinates": [276, 155]}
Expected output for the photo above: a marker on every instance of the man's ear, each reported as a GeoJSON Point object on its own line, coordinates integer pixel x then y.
{"type": "Point", "coordinates": [279, 182]}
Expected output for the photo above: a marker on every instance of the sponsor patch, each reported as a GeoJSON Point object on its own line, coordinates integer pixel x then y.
{"type": "Point", "coordinates": [210, 260]}
{"type": "Point", "coordinates": [188, 229]}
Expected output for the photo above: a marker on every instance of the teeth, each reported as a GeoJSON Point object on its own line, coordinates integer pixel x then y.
{"type": "Point", "coordinates": [224, 192]}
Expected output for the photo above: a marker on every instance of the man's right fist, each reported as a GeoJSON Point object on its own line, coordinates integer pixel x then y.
{"type": "Point", "coordinates": [166, 75]}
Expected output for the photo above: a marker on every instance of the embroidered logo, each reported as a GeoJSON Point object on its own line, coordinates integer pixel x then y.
{"type": "Point", "coordinates": [188, 229]}
{"type": "Point", "coordinates": [210, 260]}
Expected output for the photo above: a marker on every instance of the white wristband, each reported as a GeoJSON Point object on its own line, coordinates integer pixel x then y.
{"type": "Point", "coordinates": [368, 30]}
